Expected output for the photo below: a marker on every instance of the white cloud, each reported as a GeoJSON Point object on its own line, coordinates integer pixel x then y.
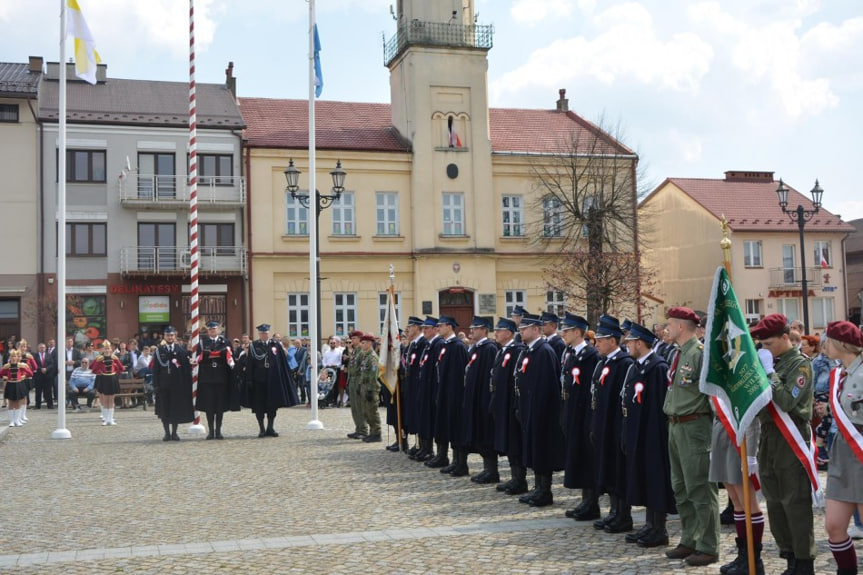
{"type": "Point", "coordinates": [687, 147]}
{"type": "Point", "coordinates": [627, 48]}
{"type": "Point", "coordinates": [534, 11]}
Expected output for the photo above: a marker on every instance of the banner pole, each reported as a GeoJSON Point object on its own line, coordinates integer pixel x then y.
{"type": "Point", "coordinates": [725, 244]}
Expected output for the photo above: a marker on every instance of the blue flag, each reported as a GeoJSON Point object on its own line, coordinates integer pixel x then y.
{"type": "Point", "coordinates": [319, 78]}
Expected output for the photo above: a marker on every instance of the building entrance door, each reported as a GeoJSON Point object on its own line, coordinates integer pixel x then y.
{"type": "Point", "coordinates": [457, 303]}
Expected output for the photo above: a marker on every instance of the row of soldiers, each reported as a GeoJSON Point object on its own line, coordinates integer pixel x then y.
{"type": "Point", "coordinates": [624, 418]}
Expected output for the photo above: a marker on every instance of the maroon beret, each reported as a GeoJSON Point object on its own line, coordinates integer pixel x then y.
{"type": "Point", "coordinates": [356, 333]}
{"type": "Point", "coordinates": [367, 337]}
{"type": "Point", "coordinates": [683, 313]}
{"type": "Point", "coordinates": [846, 332]}
{"type": "Point", "coordinates": [771, 325]}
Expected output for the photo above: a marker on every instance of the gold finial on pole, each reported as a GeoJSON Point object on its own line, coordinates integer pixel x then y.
{"type": "Point", "coordinates": [725, 244]}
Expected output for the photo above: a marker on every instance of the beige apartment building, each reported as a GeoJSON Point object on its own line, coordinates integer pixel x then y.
{"type": "Point", "coordinates": [765, 253]}
{"type": "Point", "coordinates": [438, 185]}
{"type": "Point", "coordinates": [20, 193]}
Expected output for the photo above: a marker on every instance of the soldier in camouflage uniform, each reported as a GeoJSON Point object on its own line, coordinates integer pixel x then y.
{"type": "Point", "coordinates": [360, 427]}
{"type": "Point", "coordinates": [369, 389]}
{"type": "Point", "coordinates": [784, 480]}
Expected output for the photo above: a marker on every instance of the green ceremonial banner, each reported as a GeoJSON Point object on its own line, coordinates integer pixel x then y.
{"type": "Point", "coordinates": [731, 369]}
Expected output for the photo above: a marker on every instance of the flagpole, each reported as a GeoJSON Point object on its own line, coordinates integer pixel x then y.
{"type": "Point", "coordinates": [61, 432]}
{"type": "Point", "coordinates": [398, 390]}
{"type": "Point", "coordinates": [314, 423]}
{"type": "Point", "coordinates": [725, 244]}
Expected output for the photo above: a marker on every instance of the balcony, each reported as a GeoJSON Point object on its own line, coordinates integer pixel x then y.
{"type": "Point", "coordinates": [172, 192]}
{"type": "Point", "coordinates": [177, 261]}
{"type": "Point", "coordinates": [790, 278]}
{"type": "Point", "coordinates": [419, 33]}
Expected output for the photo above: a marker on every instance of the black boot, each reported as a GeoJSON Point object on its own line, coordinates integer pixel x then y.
{"type": "Point", "coordinates": [727, 515]}
{"type": "Point", "coordinates": [658, 536]}
{"type": "Point", "coordinates": [742, 567]}
{"type": "Point", "coordinates": [612, 513]}
{"type": "Point", "coordinates": [167, 436]}
{"type": "Point", "coordinates": [544, 498]}
{"type": "Point", "coordinates": [805, 567]}
{"type": "Point", "coordinates": [426, 452]}
{"type": "Point", "coordinates": [174, 436]}
{"type": "Point", "coordinates": [623, 519]}
{"type": "Point", "coordinates": [270, 431]}
{"type": "Point", "coordinates": [442, 457]}
{"type": "Point", "coordinates": [261, 431]}
{"type": "Point", "coordinates": [489, 473]}
{"type": "Point", "coordinates": [645, 529]}
{"type": "Point", "coordinates": [791, 568]}
{"type": "Point", "coordinates": [211, 426]}
{"type": "Point", "coordinates": [519, 480]}
{"type": "Point", "coordinates": [589, 508]}
{"type": "Point", "coordinates": [219, 417]}
{"type": "Point", "coordinates": [460, 469]}
{"type": "Point", "coordinates": [851, 571]}
{"type": "Point", "coordinates": [527, 497]}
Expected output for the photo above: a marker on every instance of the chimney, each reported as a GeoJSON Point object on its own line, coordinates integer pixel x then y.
{"type": "Point", "coordinates": [563, 102]}
{"type": "Point", "coordinates": [748, 176]}
{"type": "Point", "coordinates": [230, 81]}
{"type": "Point", "coordinates": [36, 64]}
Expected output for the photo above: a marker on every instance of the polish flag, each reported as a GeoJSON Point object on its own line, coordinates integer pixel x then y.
{"type": "Point", "coordinates": [824, 264]}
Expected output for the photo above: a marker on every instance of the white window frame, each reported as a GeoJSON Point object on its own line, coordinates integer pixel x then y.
{"type": "Point", "coordinates": [382, 309]}
{"type": "Point", "coordinates": [512, 298]}
{"type": "Point", "coordinates": [821, 311]}
{"type": "Point", "coordinates": [298, 315]}
{"type": "Point", "coordinates": [343, 211]}
{"type": "Point", "coordinates": [753, 309]}
{"type": "Point", "coordinates": [512, 216]}
{"type": "Point", "coordinates": [387, 213]}
{"type": "Point", "coordinates": [453, 214]}
{"type": "Point", "coordinates": [822, 246]}
{"type": "Point", "coordinates": [752, 254]}
{"type": "Point", "coordinates": [555, 302]}
{"type": "Point", "coordinates": [790, 308]}
{"type": "Point", "coordinates": [297, 215]}
{"type": "Point", "coordinates": [344, 313]}
{"type": "Point", "coordinates": [552, 217]}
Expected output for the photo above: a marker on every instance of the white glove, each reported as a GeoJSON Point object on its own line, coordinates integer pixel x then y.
{"type": "Point", "coordinates": [752, 462]}
{"type": "Point", "coordinates": [766, 360]}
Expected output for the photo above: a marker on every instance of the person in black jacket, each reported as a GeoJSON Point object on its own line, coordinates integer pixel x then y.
{"type": "Point", "coordinates": [426, 392]}
{"type": "Point", "coordinates": [215, 360]}
{"type": "Point", "coordinates": [45, 376]}
{"type": "Point", "coordinates": [172, 380]}
{"type": "Point", "coordinates": [451, 364]}
{"type": "Point", "coordinates": [413, 353]}
{"type": "Point", "coordinates": [550, 322]}
{"type": "Point", "coordinates": [503, 402]}
{"type": "Point", "coordinates": [268, 382]}
{"type": "Point", "coordinates": [476, 432]}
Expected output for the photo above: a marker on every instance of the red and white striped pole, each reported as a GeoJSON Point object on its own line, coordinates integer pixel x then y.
{"type": "Point", "coordinates": [196, 427]}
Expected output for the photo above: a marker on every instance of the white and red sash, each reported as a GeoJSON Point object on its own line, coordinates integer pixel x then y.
{"type": "Point", "coordinates": [806, 454]}
{"type": "Point", "coordinates": [723, 412]}
{"type": "Point", "coordinates": [851, 434]}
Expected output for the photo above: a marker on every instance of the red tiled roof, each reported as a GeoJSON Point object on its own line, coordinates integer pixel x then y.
{"type": "Point", "coordinates": [754, 206]}
{"type": "Point", "coordinates": [368, 127]}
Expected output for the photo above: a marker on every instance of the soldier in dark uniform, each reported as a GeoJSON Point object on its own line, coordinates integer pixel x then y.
{"type": "Point", "coordinates": [605, 421]}
{"type": "Point", "coordinates": [516, 315]}
{"type": "Point", "coordinates": [507, 428]}
{"type": "Point", "coordinates": [645, 438]}
{"type": "Point", "coordinates": [396, 407]}
{"type": "Point", "coordinates": [549, 331]}
{"type": "Point", "coordinates": [537, 381]}
{"type": "Point", "coordinates": [579, 363]}
{"type": "Point", "coordinates": [413, 353]}
{"type": "Point", "coordinates": [215, 360]}
{"type": "Point", "coordinates": [476, 430]}
{"type": "Point", "coordinates": [172, 380]}
{"type": "Point", "coordinates": [427, 389]}
{"type": "Point", "coordinates": [451, 364]}
{"type": "Point", "coordinates": [268, 384]}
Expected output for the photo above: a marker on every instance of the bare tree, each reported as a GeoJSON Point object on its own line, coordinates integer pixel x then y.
{"type": "Point", "coordinates": [588, 194]}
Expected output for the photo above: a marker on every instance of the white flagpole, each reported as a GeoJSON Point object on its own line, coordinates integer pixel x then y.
{"type": "Point", "coordinates": [315, 423]}
{"type": "Point", "coordinates": [61, 432]}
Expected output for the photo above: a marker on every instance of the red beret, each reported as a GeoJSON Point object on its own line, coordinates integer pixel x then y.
{"type": "Point", "coordinates": [846, 332]}
{"type": "Point", "coordinates": [683, 313]}
{"type": "Point", "coordinates": [367, 337]}
{"type": "Point", "coordinates": [771, 325]}
{"type": "Point", "coordinates": [355, 333]}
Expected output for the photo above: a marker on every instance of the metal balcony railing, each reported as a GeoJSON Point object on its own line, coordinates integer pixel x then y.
{"type": "Point", "coordinates": [419, 33]}
{"type": "Point", "coordinates": [150, 260]}
{"type": "Point", "coordinates": [139, 190]}
{"type": "Point", "coordinates": [793, 277]}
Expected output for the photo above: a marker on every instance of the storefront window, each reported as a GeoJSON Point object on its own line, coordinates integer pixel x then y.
{"type": "Point", "coordinates": [85, 319]}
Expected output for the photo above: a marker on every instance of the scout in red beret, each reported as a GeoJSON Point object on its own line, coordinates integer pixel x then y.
{"type": "Point", "coordinates": [683, 313]}
{"type": "Point", "coordinates": [845, 332]}
{"type": "Point", "coordinates": [770, 326]}
{"type": "Point", "coordinates": [367, 337]}
{"type": "Point", "coordinates": [355, 333]}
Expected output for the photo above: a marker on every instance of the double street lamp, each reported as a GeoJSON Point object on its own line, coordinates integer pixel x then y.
{"type": "Point", "coordinates": [320, 203]}
{"type": "Point", "coordinates": [800, 217]}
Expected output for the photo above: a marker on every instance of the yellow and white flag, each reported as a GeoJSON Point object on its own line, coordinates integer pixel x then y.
{"type": "Point", "coordinates": [86, 56]}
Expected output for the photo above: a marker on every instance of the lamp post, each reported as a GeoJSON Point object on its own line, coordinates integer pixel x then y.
{"type": "Point", "coordinates": [321, 202]}
{"type": "Point", "coordinates": [800, 217]}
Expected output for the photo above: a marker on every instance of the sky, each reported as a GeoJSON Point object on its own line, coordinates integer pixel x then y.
{"type": "Point", "coordinates": [698, 87]}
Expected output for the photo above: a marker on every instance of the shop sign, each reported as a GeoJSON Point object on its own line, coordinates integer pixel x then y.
{"type": "Point", "coordinates": [789, 293]}
{"type": "Point", "coordinates": [154, 309]}
{"type": "Point", "coordinates": [144, 288]}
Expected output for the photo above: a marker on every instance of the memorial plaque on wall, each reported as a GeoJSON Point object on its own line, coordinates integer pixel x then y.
{"type": "Point", "coordinates": [487, 303]}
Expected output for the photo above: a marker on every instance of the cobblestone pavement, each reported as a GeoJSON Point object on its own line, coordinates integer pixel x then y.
{"type": "Point", "coordinates": [118, 499]}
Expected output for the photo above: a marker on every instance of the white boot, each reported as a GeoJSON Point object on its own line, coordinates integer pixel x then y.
{"type": "Point", "coordinates": [12, 416]}
{"type": "Point", "coordinates": [22, 415]}
{"type": "Point", "coordinates": [102, 413]}
{"type": "Point", "coordinates": [111, 416]}
{"type": "Point", "coordinates": [17, 414]}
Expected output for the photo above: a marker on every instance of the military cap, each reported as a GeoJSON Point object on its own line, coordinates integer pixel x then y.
{"type": "Point", "coordinates": [481, 322]}
{"type": "Point", "coordinates": [609, 326]}
{"type": "Point", "coordinates": [683, 313]}
{"type": "Point", "coordinates": [445, 319]}
{"type": "Point", "coordinates": [507, 324]}
{"type": "Point", "coordinates": [625, 325]}
{"type": "Point", "coordinates": [170, 329]}
{"type": "Point", "coordinates": [572, 321]}
{"type": "Point", "coordinates": [846, 332]}
{"type": "Point", "coordinates": [637, 331]}
{"type": "Point", "coordinates": [263, 327]}
{"type": "Point", "coordinates": [548, 317]}
{"type": "Point", "coordinates": [414, 320]}
{"type": "Point", "coordinates": [430, 321]}
{"type": "Point", "coordinates": [518, 310]}
{"type": "Point", "coordinates": [529, 319]}
{"type": "Point", "coordinates": [212, 324]}
{"type": "Point", "coordinates": [771, 325]}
